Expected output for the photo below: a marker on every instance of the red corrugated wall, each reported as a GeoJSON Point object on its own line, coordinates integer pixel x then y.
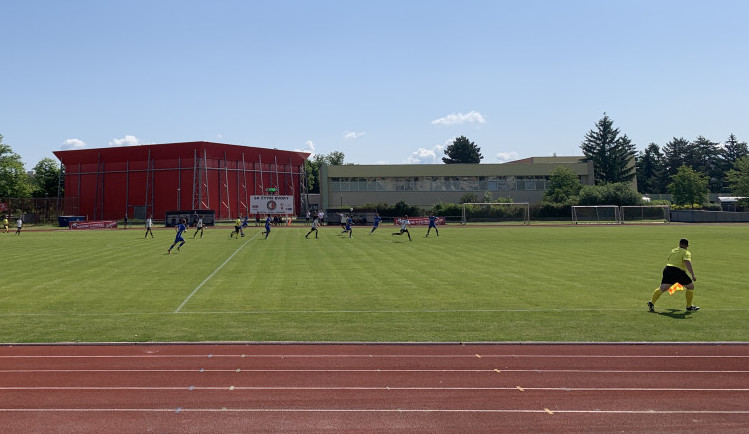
{"type": "Point", "coordinates": [107, 183]}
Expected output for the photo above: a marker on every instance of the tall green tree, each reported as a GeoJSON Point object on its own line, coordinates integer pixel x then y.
{"type": "Point", "coordinates": [46, 178]}
{"type": "Point", "coordinates": [612, 156]}
{"type": "Point", "coordinates": [462, 151]}
{"type": "Point", "coordinates": [14, 182]}
{"type": "Point", "coordinates": [564, 186]}
{"type": "Point", "coordinates": [651, 170]}
{"type": "Point", "coordinates": [676, 154]}
{"type": "Point", "coordinates": [312, 168]}
{"type": "Point", "coordinates": [707, 158]}
{"type": "Point", "coordinates": [688, 187]}
{"type": "Point", "coordinates": [733, 150]}
{"type": "Point", "coordinates": [702, 155]}
{"type": "Point", "coordinates": [738, 178]}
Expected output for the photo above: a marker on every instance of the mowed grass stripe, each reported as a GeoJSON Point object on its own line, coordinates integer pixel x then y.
{"type": "Point", "coordinates": [572, 283]}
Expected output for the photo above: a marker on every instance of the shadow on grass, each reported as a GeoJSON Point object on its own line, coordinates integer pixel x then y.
{"type": "Point", "coordinates": [676, 313]}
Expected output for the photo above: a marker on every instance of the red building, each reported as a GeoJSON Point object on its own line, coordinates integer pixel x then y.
{"type": "Point", "coordinates": [109, 183]}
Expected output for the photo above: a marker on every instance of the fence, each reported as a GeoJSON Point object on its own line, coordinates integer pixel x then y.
{"type": "Point", "coordinates": [34, 210]}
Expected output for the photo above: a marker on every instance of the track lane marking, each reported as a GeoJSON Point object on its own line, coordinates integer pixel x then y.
{"type": "Point", "coordinates": [456, 388]}
{"type": "Point", "coordinates": [359, 410]}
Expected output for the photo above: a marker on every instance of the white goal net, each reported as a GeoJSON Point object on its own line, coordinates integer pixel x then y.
{"type": "Point", "coordinates": [596, 214]}
{"type": "Point", "coordinates": [490, 212]}
{"type": "Point", "coordinates": [646, 214]}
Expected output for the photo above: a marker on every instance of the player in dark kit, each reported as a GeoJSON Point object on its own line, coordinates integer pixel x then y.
{"type": "Point", "coordinates": [181, 228]}
{"type": "Point", "coordinates": [433, 224]}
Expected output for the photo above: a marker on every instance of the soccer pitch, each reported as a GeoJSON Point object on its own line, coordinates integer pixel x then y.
{"type": "Point", "coordinates": [470, 284]}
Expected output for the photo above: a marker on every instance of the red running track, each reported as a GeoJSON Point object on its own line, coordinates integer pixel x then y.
{"type": "Point", "coordinates": [374, 388]}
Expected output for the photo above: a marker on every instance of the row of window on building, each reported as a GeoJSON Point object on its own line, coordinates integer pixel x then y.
{"type": "Point", "coordinates": [440, 183]}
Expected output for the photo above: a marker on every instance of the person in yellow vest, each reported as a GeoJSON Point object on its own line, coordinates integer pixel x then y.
{"type": "Point", "coordinates": [678, 263]}
{"type": "Point", "coordinates": [237, 228]}
{"type": "Point", "coordinates": [5, 224]}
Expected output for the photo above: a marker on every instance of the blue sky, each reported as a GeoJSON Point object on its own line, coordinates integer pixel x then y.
{"type": "Point", "coordinates": [385, 82]}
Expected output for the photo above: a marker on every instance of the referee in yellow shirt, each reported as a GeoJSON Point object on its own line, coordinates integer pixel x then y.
{"type": "Point", "coordinates": [679, 262]}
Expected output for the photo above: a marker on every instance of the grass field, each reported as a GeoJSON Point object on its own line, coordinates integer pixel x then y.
{"type": "Point", "coordinates": [508, 283]}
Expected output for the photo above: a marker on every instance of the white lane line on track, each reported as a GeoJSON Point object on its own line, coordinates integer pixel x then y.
{"type": "Point", "coordinates": [374, 371]}
{"type": "Point", "coordinates": [370, 356]}
{"type": "Point", "coordinates": [357, 410]}
{"type": "Point", "coordinates": [367, 388]}
{"type": "Point", "coordinates": [197, 288]}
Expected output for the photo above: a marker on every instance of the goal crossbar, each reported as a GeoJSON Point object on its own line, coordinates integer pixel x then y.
{"type": "Point", "coordinates": [646, 214]}
{"type": "Point", "coordinates": [596, 214]}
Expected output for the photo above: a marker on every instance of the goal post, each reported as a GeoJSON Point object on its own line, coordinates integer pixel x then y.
{"type": "Point", "coordinates": [596, 214]}
{"type": "Point", "coordinates": [496, 212]}
{"type": "Point", "coordinates": [646, 214]}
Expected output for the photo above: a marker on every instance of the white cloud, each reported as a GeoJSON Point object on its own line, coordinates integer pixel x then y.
{"type": "Point", "coordinates": [353, 135]}
{"type": "Point", "coordinates": [128, 140]}
{"type": "Point", "coordinates": [458, 119]}
{"type": "Point", "coordinates": [71, 144]}
{"type": "Point", "coordinates": [427, 155]}
{"type": "Point", "coordinates": [504, 157]}
{"type": "Point", "coordinates": [309, 146]}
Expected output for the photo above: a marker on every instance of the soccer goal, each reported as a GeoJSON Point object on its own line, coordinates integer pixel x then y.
{"type": "Point", "coordinates": [646, 214]}
{"type": "Point", "coordinates": [596, 214]}
{"type": "Point", "coordinates": [490, 212]}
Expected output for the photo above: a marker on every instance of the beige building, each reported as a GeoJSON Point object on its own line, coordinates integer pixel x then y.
{"type": "Point", "coordinates": [424, 185]}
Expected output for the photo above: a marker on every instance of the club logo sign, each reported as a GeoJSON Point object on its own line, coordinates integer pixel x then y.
{"type": "Point", "coordinates": [283, 205]}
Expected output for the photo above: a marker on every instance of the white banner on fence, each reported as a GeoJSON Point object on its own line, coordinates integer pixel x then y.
{"type": "Point", "coordinates": [97, 224]}
{"type": "Point", "coordinates": [272, 205]}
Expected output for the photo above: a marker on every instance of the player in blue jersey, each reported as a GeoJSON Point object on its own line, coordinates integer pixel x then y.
{"type": "Point", "coordinates": [376, 224]}
{"type": "Point", "coordinates": [433, 224]}
{"type": "Point", "coordinates": [267, 227]}
{"type": "Point", "coordinates": [347, 227]}
{"type": "Point", "coordinates": [181, 228]}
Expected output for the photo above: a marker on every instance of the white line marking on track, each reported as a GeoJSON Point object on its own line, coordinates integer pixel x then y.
{"type": "Point", "coordinates": [194, 291]}
{"type": "Point", "coordinates": [377, 371]}
{"type": "Point", "coordinates": [369, 356]}
{"type": "Point", "coordinates": [374, 388]}
{"type": "Point", "coordinates": [356, 410]}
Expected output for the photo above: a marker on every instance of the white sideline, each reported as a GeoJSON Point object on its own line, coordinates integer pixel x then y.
{"type": "Point", "coordinates": [197, 288]}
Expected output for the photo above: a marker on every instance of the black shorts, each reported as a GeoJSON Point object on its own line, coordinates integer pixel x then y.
{"type": "Point", "coordinates": [672, 275]}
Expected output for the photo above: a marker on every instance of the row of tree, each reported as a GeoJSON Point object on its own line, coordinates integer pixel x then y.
{"type": "Point", "coordinates": [689, 170]}
{"type": "Point", "coordinates": [656, 166]}
{"type": "Point", "coordinates": [15, 182]}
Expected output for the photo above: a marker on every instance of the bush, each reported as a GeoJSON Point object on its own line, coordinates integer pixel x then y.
{"type": "Point", "coordinates": [398, 210]}
{"type": "Point", "coordinates": [609, 194]}
{"type": "Point", "coordinates": [550, 211]}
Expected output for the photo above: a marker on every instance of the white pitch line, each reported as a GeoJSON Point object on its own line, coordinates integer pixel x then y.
{"type": "Point", "coordinates": [321, 312]}
{"type": "Point", "coordinates": [194, 291]}
{"type": "Point", "coordinates": [357, 410]}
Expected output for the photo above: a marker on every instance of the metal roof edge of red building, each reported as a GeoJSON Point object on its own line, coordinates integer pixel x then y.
{"type": "Point", "coordinates": [173, 150]}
